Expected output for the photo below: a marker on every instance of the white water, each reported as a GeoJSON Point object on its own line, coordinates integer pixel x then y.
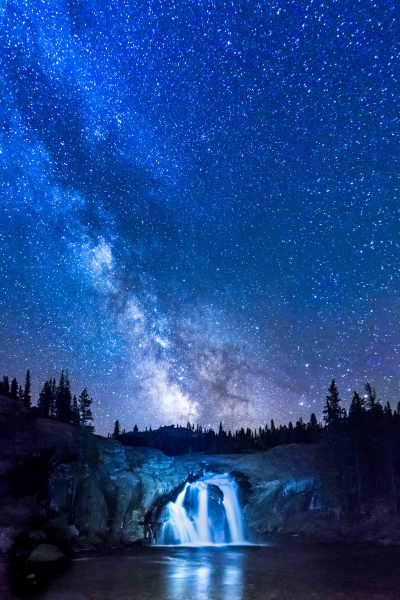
{"type": "Point", "coordinates": [198, 517]}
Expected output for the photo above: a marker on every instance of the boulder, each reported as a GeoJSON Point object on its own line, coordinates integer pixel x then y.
{"type": "Point", "coordinates": [45, 553]}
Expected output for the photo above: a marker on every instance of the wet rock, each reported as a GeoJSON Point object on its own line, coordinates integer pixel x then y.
{"type": "Point", "coordinates": [45, 553]}
{"type": "Point", "coordinates": [217, 514]}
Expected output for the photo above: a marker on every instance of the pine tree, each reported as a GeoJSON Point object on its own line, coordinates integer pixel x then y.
{"type": "Point", "coordinates": [356, 419]}
{"type": "Point", "coordinates": [356, 411]}
{"type": "Point", "coordinates": [84, 408]}
{"type": "Point", "coordinates": [313, 421]}
{"type": "Point", "coordinates": [116, 433]}
{"type": "Point", "coordinates": [20, 394]}
{"type": "Point", "coordinates": [63, 400]}
{"type": "Point", "coordinates": [52, 407]}
{"type": "Point", "coordinates": [312, 428]}
{"type": "Point", "coordinates": [27, 390]}
{"type": "Point", "coordinates": [14, 389]}
{"type": "Point", "coordinates": [76, 419]}
{"type": "Point", "coordinates": [46, 399]}
{"type": "Point", "coordinates": [5, 386]}
{"type": "Point", "coordinates": [371, 396]}
{"type": "Point", "coordinates": [333, 413]}
{"type": "Point", "coordinates": [290, 435]}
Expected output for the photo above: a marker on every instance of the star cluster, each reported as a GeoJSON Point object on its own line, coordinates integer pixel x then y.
{"type": "Point", "coordinates": [200, 204]}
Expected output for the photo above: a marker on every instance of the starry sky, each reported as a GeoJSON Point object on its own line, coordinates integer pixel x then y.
{"type": "Point", "coordinates": [200, 212]}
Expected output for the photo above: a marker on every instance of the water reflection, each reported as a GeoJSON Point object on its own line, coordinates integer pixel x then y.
{"type": "Point", "coordinates": [202, 575]}
{"type": "Point", "coordinates": [231, 573]}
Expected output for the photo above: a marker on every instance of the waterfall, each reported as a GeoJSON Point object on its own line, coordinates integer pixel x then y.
{"type": "Point", "coordinates": [205, 513]}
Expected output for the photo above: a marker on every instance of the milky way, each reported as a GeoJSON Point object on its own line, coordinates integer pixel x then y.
{"type": "Point", "coordinates": [200, 206]}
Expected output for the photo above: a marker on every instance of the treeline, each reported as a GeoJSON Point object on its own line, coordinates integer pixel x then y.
{"type": "Point", "coordinates": [17, 392]}
{"type": "Point", "coordinates": [55, 400]}
{"type": "Point", "coordinates": [359, 448]}
{"type": "Point", "coordinates": [175, 441]}
{"type": "Point", "coordinates": [363, 447]}
{"type": "Point", "coordinates": [366, 415]}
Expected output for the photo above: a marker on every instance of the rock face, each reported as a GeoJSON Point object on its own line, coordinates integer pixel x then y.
{"type": "Point", "coordinates": [217, 512]}
{"type": "Point", "coordinates": [124, 490]}
{"type": "Point", "coordinates": [278, 489]}
{"type": "Point", "coordinates": [29, 450]}
{"type": "Point", "coordinates": [113, 498]}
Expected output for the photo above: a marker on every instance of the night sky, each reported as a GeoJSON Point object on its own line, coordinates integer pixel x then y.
{"type": "Point", "coordinates": [200, 212]}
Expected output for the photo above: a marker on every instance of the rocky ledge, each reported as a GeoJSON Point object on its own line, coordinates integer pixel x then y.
{"type": "Point", "coordinates": [285, 491]}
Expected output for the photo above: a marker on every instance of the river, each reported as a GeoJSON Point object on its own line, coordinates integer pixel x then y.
{"type": "Point", "coordinates": [227, 573]}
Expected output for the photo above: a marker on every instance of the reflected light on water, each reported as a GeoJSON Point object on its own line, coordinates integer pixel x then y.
{"type": "Point", "coordinates": [203, 577]}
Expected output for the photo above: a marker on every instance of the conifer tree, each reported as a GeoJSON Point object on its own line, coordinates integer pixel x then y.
{"type": "Point", "coordinates": [371, 401]}
{"type": "Point", "coordinates": [5, 386]}
{"type": "Point", "coordinates": [356, 418]}
{"type": "Point", "coordinates": [290, 436]}
{"type": "Point", "coordinates": [333, 413]}
{"type": "Point", "coordinates": [356, 411]}
{"type": "Point", "coordinates": [63, 400]}
{"type": "Point", "coordinates": [312, 428]}
{"type": "Point", "coordinates": [14, 389]}
{"type": "Point", "coordinates": [52, 406]}
{"type": "Point", "coordinates": [20, 394]}
{"type": "Point", "coordinates": [46, 399]}
{"type": "Point", "coordinates": [76, 419]}
{"type": "Point", "coordinates": [84, 408]}
{"type": "Point", "coordinates": [116, 433]}
{"type": "Point", "coordinates": [27, 390]}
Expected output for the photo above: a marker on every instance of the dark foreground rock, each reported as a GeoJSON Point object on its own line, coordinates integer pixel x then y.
{"type": "Point", "coordinates": [45, 553]}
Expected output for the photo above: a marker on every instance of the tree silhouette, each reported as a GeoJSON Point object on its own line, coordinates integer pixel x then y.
{"type": "Point", "coordinates": [14, 389]}
{"type": "Point", "coordinates": [117, 430]}
{"type": "Point", "coordinates": [333, 413]}
{"type": "Point", "coordinates": [76, 419]}
{"type": "Point", "coordinates": [5, 386]}
{"type": "Point", "coordinates": [46, 399]}
{"type": "Point", "coordinates": [63, 400]}
{"type": "Point", "coordinates": [84, 408]}
{"type": "Point", "coordinates": [27, 390]}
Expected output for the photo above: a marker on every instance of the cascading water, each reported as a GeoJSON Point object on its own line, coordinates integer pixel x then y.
{"type": "Point", "coordinates": [206, 512]}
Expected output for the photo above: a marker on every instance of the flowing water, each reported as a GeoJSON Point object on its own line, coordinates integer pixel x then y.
{"type": "Point", "coordinates": [205, 513]}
